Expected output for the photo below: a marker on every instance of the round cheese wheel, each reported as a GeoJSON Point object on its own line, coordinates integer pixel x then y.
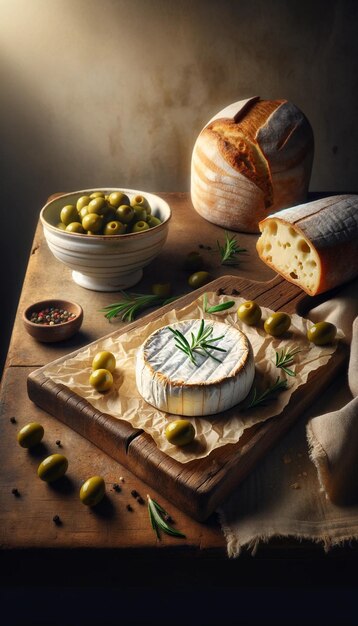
{"type": "Point", "coordinates": [167, 378]}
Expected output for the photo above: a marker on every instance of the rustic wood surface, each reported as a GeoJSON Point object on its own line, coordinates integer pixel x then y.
{"type": "Point", "coordinates": [26, 522]}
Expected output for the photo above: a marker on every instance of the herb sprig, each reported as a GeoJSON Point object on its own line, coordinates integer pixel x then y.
{"type": "Point", "coordinates": [284, 358]}
{"type": "Point", "coordinates": [202, 342]}
{"type": "Point", "coordinates": [217, 307]}
{"type": "Point", "coordinates": [261, 398]}
{"type": "Point", "coordinates": [230, 250]}
{"type": "Point", "coordinates": [157, 516]}
{"type": "Point", "coordinates": [133, 304]}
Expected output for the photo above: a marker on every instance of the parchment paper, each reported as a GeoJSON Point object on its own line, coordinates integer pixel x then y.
{"type": "Point", "coordinates": [124, 401]}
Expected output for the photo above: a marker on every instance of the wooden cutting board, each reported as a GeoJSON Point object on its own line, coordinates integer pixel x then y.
{"type": "Point", "coordinates": [197, 487]}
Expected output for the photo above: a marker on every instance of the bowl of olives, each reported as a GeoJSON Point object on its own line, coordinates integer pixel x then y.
{"type": "Point", "coordinates": [106, 236]}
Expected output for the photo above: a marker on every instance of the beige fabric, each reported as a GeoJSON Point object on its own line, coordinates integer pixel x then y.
{"type": "Point", "coordinates": [288, 494]}
{"type": "Point", "coordinates": [333, 440]}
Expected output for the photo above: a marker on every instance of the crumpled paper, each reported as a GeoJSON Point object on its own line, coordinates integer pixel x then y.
{"type": "Point", "coordinates": [124, 402]}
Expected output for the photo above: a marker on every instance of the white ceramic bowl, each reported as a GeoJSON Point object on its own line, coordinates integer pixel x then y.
{"type": "Point", "coordinates": [105, 262]}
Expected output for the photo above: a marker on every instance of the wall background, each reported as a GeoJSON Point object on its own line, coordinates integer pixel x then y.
{"type": "Point", "coordinates": [115, 92]}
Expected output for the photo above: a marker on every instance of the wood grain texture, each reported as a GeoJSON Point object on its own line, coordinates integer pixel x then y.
{"type": "Point", "coordinates": [200, 486]}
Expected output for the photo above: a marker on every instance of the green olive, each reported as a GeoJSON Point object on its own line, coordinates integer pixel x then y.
{"type": "Point", "coordinates": [30, 435]}
{"type": "Point", "coordinates": [198, 279]}
{"type": "Point", "coordinates": [75, 227]}
{"type": "Point", "coordinates": [61, 226]}
{"type": "Point", "coordinates": [277, 324]}
{"type": "Point", "coordinates": [52, 468]}
{"type": "Point", "coordinates": [82, 202]}
{"type": "Point", "coordinates": [101, 379]}
{"type": "Point", "coordinates": [98, 205]}
{"type": "Point", "coordinates": [153, 221]}
{"type": "Point", "coordinates": [322, 333]}
{"type": "Point", "coordinates": [104, 360]}
{"type": "Point", "coordinates": [139, 227]}
{"type": "Point", "coordinates": [125, 213]}
{"type": "Point", "coordinates": [140, 214]}
{"type": "Point", "coordinates": [114, 228]}
{"type": "Point", "coordinates": [249, 312]}
{"type": "Point", "coordinates": [180, 432]}
{"type": "Point", "coordinates": [83, 212]}
{"type": "Point", "coordinates": [141, 202]}
{"type": "Point", "coordinates": [97, 194]}
{"type": "Point", "coordinates": [92, 222]}
{"type": "Point", "coordinates": [110, 216]}
{"type": "Point", "coordinates": [193, 261]}
{"type": "Point", "coordinates": [116, 198]}
{"type": "Point", "coordinates": [162, 290]}
{"type": "Point", "coordinates": [92, 491]}
{"type": "Point", "coordinates": [69, 214]}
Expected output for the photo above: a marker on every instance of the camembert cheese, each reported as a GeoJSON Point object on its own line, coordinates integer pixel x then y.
{"type": "Point", "coordinates": [167, 379]}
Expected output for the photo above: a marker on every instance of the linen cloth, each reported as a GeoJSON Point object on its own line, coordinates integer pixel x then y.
{"type": "Point", "coordinates": [307, 485]}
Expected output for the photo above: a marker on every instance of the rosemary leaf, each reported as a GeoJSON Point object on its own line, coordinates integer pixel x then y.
{"type": "Point", "coordinates": [202, 342]}
{"type": "Point", "coordinates": [230, 250]}
{"type": "Point", "coordinates": [216, 307]}
{"type": "Point", "coordinates": [158, 523]}
{"type": "Point", "coordinates": [132, 304]}
{"type": "Point", "coordinates": [261, 398]}
{"type": "Point", "coordinates": [285, 358]}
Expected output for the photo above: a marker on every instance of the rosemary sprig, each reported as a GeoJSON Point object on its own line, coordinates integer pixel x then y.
{"type": "Point", "coordinates": [284, 358]}
{"type": "Point", "coordinates": [256, 399]}
{"type": "Point", "coordinates": [202, 342]}
{"type": "Point", "coordinates": [217, 307]}
{"type": "Point", "coordinates": [132, 304]}
{"type": "Point", "coordinates": [157, 517]}
{"type": "Point", "coordinates": [229, 250]}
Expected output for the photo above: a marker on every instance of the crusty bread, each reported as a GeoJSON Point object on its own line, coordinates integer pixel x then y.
{"type": "Point", "coordinates": [314, 245]}
{"type": "Point", "coordinates": [254, 157]}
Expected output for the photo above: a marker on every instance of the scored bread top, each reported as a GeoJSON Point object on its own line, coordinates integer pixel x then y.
{"type": "Point", "coordinates": [260, 137]}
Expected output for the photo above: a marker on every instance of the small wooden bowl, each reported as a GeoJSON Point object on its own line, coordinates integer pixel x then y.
{"type": "Point", "coordinates": [57, 332]}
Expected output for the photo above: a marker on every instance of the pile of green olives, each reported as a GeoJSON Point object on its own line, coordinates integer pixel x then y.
{"type": "Point", "coordinates": [108, 214]}
{"type": "Point", "coordinates": [103, 366]}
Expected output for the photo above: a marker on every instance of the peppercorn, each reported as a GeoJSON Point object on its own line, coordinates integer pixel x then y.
{"type": "Point", "coordinates": [220, 292]}
{"type": "Point", "coordinates": [134, 493]}
{"type": "Point", "coordinates": [140, 500]}
{"type": "Point", "coordinates": [51, 316]}
{"type": "Point", "coordinates": [13, 420]}
{"type": "Point", "coordinates": [129, 507]}
{"type": "Point", "coordinates": [57, 520]}
{"type": "Point", "coordinates": [15, 492]}
{"type": "Point", "coordinates": [235, 292]}
{"type": "Point", "coordinates": [116, 487]}
{"type": "Point", "coordinates": [58, 443]}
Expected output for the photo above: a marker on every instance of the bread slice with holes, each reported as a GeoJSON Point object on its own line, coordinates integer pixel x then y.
{"type": "Point", "coordinates": [314, 245]}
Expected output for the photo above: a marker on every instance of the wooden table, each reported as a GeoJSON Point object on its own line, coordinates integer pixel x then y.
{"type": "Point", "coordinates": [116, 546]}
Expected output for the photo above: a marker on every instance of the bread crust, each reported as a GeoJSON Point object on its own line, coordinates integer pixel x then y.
{"type": "Point", "coordinates": [330, 228]}
{"type": "Point", "coordinates": [267, 142]}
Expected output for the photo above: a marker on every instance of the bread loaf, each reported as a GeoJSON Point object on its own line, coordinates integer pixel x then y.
{"type": "Point", "coordinates": [253, 158]}
{"type": "Point", "coordinates": [314, 245]}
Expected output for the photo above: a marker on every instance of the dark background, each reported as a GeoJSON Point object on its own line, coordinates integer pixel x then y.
{"type": "Point", "coordinates": [114, 93]}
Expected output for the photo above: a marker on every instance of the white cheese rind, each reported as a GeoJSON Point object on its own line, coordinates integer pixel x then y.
{"type": "Point", "coordinates": [168, 380]}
